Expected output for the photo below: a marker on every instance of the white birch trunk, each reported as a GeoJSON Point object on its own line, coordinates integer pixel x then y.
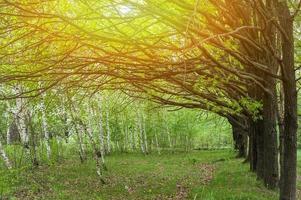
{"type": "Point", "coordinates": [89, 131]}
{"type": "Point", "coordinates": [124, 130]}
{"type": "Point", "coordinates": [186, 143]}
{"type": "Point", "coordinates": [20, 118]}
{"type": "Point", "coordinates": [101, 131]}
{"type": "Point", "coordinates": [108, 130]}
{"type": "Point", "coordinates": [45, 128]}
{"type": "Point", "coordinates": [144, 133]}
{"type": "Point", "coordinates": [31, 132]}
{"type": "Point", "coordinates": [157, 143]}
{"type": "Point", "coordinates": [97, 157]}
{"type": "Point", "coordinates": [117, 145]}
{"type": "Point", "coordinates": [64, 115]}
{"type": "Point", "coordinates": [8, 141]}
{"type": "Point", "coordinates": [127, 137]}
{"type": "Point", "coordinates": [4, 157]}
{"type": "Point", "coordinates": [168, 136]}
{"type": "Point", "coordinates": [139, 123]}
{"type": "Point", "coordinates": [136, 136]}
{"type": "Point", "coordinates": [8, 121]}
{"type": "Point", "coordinates": [132, 135]}
{"type": "Point", "coordinates": [80, 132]}
{"type": "Point", "coordinates": [167, 131]}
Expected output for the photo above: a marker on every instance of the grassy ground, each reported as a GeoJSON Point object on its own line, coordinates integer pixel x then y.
{"type": "Point", "coordinates": [203, 175]}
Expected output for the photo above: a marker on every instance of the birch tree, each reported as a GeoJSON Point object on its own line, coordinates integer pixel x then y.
{"type": "Point", "coordinates": [20, 118]}
{"type": "Point", "coordinates": [8, 122]}
{"type": "Point", "coordinates": [108, 128]}
{"type": "Point", "coordinates": [79, 130]}
{"type": "Point", "coordinates": [144, 132]}
{"type": "Point", "coordinates": [5, 157]}
{"type": "Point", "coordinates": [140, 130]}
{"type": "Point", "coordinates": [133, 137]}
{"type": "Point", "coordinates": [80, 133]}
{"type": "Point", "coordinates": [101, 130]}
{"type": "Point", "coordinates": [157, 143]}
{"type": "Point", "coordinates": [97, 153]}
{"type": "Point", "coordinates": [45, 127]}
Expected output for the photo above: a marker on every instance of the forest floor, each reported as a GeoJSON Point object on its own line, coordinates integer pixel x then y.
{"type": "Point", "coordinates": [203, 175]}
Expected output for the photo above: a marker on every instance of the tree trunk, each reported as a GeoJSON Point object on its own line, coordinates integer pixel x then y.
{"type": "Point", "coordinates": [252, 146]}
{"type": "Point", "coordinates": [157, 143]}
{"type": "Point", "coordinates": [141, 137]}
{"type": "Point", "coordinates": [271, 168]}
{"type": "Point", "coordinates": [97, 154]}
{"type": "Point", "coordinates": [8, 137]}
{"type": "Point", "coordinates": [280, 117]}
{"type": "Point", "coordinates": [126, 140]}
{"type": "Point", "coordinates": [4, 157]}
{"type": "Point", "coordinates": [259, 127]}
{"type": "Point", "coordinates": [271, 173]}
{"type": "Point", "coordinates": [144, 134]}
{"type": "Point", "coordinates": [79, 132]}
{"type": "Point", "coordinates": [168, 136]}
{"type": "Point", "coordinates": [133, 139]}
{"type": "Point", "coordinates": [45, 128]}
{"type": "Point", "coordinates": [33, 139]}
{"type": "Point", "coordinates": [289, 167]}
{"type": "Point", "coordinates": [108, 130]}
{"type": "Point", "coordinates": [240, 144]}
{"type": "Point", "coordinates": [20, 118]}
{"type": "Point", "coordinates": [8, 123]}
{"type": "Point", "coordinates": [101, 131]}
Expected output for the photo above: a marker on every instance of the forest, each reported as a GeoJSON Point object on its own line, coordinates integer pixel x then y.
{"type": "Point", "coordinates": [150, 99]}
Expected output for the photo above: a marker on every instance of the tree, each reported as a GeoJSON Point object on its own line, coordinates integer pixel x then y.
{"type": "Point", "coordinates": [224, 57]}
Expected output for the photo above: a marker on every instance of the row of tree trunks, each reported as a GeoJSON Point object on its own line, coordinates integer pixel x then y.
{"type": "Point", "coordinates": [261, 144]}
{"type": "Point", "coordinates": [263, 156]}
{"type": "Point", "coordinates": [261, 132]}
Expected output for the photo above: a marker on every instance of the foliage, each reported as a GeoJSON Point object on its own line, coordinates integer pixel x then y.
{"type": "Point", "coordinates": [138, 177]}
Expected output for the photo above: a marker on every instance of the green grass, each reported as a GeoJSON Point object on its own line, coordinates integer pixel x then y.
{"type": "Point", "coordinates": [203, 175]}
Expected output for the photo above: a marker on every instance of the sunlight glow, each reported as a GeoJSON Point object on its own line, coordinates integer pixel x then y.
{"type": "Point", "coordinates": [124, 10]}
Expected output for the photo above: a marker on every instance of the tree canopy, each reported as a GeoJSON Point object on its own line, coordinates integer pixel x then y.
{"type": "Point", "coordinates": [235, 58]}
